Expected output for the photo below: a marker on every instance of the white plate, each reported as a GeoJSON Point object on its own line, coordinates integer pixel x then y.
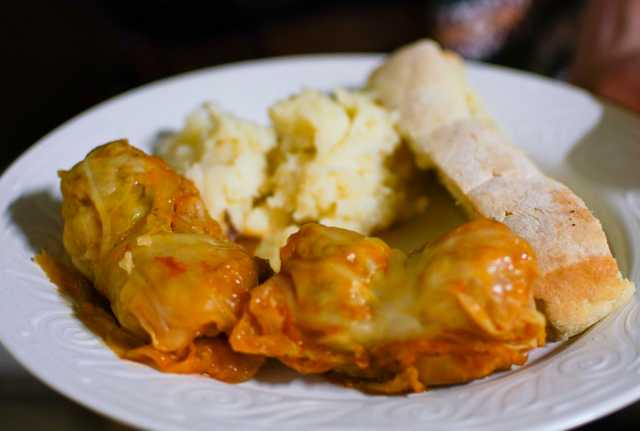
{"type": "Point", "coordinates": [593, 148]}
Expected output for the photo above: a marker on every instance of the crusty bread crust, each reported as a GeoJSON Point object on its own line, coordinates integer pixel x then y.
{"type": "Point", "coordinates": [444, 124]}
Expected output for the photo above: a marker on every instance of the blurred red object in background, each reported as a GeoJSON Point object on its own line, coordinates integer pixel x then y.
{"type": "Point", "coordinates": [477, 28]}
{"type": "Point", "coordinates": [607, 59]}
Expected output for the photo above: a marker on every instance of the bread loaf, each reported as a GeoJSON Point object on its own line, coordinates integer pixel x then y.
{"type": "Point", "coordinates": [443, 122]}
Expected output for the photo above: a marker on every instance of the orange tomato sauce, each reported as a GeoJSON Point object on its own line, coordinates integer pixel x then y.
{"type": "Point", "coordinates": [211, 356]}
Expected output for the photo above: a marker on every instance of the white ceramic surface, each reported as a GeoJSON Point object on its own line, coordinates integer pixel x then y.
{"type": "Point", "coordinates": [593, 148]}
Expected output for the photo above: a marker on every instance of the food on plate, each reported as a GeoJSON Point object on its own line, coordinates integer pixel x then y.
{"type": "Point", "coordinates": [448, 130]}
{"type": "Point", "coordinates": [337, 160]}
{"type": "Point", "coordinates": [386, 322]}
{"type": "Point", "coordinates": [226, 158]}
{"type": "Point", "coordinates": [207, 355]}
{"type": "Point", "coordinates": [183, 297]}
{"type": "Point", "coordinates": [141, 234]}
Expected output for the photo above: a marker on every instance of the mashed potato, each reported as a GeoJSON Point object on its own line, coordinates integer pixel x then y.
{"type": "Point", "coordinates": [226, 158]}
{"type": "Point", "coordinates": [335, 159]}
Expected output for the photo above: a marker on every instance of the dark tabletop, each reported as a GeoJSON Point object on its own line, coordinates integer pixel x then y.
{"type": "Point", "coordinates": [62, 57]}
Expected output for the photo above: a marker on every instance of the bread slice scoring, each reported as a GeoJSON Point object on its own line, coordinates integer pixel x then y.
{"type": "Point", "coordinates": [443, 122]}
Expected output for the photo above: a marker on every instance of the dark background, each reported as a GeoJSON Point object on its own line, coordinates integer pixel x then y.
{"type": "Point", "coordinates": [62, 57]}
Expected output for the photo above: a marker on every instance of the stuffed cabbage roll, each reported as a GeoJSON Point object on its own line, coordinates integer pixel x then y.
{"type": "Point", "coordinates": [140, 233]}
{"type": "Point", "coordinates": [383, 321]}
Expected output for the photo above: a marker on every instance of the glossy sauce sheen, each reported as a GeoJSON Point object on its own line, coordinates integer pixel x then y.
{"type": "Point", "coordinates": [182, 297]}
{"type": "Point", "coordinates": [211, 356]}
{"type": "Point", "coordinates": [383, 321]}
{"type": "Point", "coordinates": [139, 233]}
